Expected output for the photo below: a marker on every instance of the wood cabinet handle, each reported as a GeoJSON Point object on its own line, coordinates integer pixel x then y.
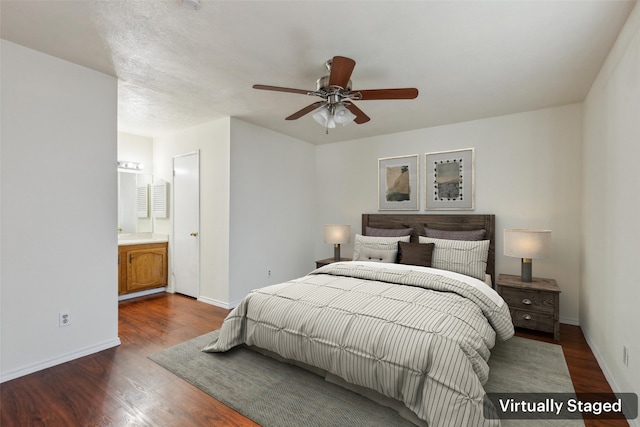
{"type": "Point", "coordinates": [526, 301]}
{"type": "Point", "coordinates": [526, 317]}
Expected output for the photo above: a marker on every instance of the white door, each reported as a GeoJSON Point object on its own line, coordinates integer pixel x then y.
{"type": "Point", "coordinates": [186, 224]}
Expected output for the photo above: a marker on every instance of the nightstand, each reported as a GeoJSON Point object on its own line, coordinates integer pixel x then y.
{"type": "Point", "coordinates": [533, 305]}
{"type": "Point", "coordinates": [323, 262]}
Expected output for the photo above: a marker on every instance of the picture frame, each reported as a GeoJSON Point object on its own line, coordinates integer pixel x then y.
{"type": "Point", "coordinates": [450, 180]}
{"type": "Point", "coordinates": [398, 183]}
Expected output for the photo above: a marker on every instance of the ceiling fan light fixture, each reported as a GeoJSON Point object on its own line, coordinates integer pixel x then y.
{"type": "Point", "coordinates": [330, 115]}
{"type": "Point", "coordinates": [342, 115]}
{"type": "Point", "coordinates": [324, 117]}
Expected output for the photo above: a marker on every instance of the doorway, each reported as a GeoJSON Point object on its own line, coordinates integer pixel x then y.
{"type": "Point", "coordinates": [186, 224]}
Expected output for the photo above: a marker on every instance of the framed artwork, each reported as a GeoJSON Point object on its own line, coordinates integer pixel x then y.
{"type": "Point", "coordinates": [398, 183]}
{"type": "Point", "coordinates": [450, 180]}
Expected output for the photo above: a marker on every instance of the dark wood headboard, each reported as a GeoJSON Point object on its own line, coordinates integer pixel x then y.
{"type": "Point", "coordinates": [441, 222]}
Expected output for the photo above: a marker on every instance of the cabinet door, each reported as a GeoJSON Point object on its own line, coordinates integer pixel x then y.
{"type": "Point", "coordinates": [146, 268]}
{"type": "Point", "coordinates": [122, 270]}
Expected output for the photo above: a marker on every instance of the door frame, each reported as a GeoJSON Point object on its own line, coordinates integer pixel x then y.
{"type": "Point", "coordinates": [173, 219]}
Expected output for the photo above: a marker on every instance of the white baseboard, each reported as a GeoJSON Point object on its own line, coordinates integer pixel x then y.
{"type": "Point", "coordinates": [215, 302]}
{"type": "Point", "coordinates": [574, 322]}
{"type": "Point", "coordinates": [141, 293]}
{"type": "Point", "coordinates": [218, 303]}
{"type": "Point", "coordinates": [59, 360]}
{"type": "Point", "coordinates": [607, 374]}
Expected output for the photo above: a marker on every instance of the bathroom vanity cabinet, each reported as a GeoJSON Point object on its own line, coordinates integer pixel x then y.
{"type": "Point", "coordinates": [141, 267]}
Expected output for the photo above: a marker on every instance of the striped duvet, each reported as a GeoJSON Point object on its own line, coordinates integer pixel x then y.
{"type": "Point", "coordinates": [410, 334]}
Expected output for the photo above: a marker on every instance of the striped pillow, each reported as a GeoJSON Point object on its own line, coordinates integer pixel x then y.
{"type": "Point", "coordinates": [460, 256]}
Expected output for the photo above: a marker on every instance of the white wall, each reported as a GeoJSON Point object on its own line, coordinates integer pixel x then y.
{"type": "Point", "coordinates": [212, 140]}
{"type": "Point", "coordinates": [611, 277]}
{"type": "Point", "coordinates": [136, 148]}
{"type": "Point", "coordinates": [528, 173]}
{"type": "Point", "coordinates": [256, 198]}
{"type": "Point", "coordinates": [59, 249]}
{"type": "Point", "coordinates": [272, 208]}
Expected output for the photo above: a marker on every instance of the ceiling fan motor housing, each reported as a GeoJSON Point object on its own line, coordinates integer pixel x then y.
{"type": "Point", "coordinates": [323, 84]}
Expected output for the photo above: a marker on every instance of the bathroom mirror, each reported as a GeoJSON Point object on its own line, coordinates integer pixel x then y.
{"type": "Point", "coordinates": [134, 213]}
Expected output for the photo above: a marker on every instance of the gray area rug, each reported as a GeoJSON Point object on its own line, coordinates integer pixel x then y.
{"type": "Point", "coordinates": [277, 394]}
{"type": "Point", "coordinates": [521, 365]}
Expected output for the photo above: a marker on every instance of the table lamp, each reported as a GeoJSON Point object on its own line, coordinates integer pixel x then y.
{"type": "Point", "coordinates": [336, 234]}
{"type": "Point", "coordinates": [527, 245]}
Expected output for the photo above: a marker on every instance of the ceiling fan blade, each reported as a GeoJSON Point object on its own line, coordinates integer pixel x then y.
{"type": "Point", "coordinates": [305, 110]}
{"type": "Point", "coordinates": [282, 89]}
{"type": "Point", "coordinates": [400, 93]}
{"type": "Point", "coordinates": [361, 117]}
{"type": "Point", "coordinates": [341, 69]}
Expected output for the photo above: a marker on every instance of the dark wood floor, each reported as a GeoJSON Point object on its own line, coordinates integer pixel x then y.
{"type": "Point", "coordinates": [121, 387]}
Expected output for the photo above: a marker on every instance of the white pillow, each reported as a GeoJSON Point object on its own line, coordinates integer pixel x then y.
{"type": "Point", "coordinates": [382, 249]}
{"type": "Point", "coordinates": [378, 255]}
{"type": "Point", "coordinates": [460, 256]}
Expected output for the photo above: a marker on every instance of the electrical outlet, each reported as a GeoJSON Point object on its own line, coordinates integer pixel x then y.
{"type": "Point", "coordinates": [625, 355]}
{"type": "Point", "coordinates": [64, 319]}
{"type": "Point", "coordinates": [269, 273]}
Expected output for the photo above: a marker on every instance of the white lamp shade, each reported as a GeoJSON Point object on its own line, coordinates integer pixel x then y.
{"type": "Point", "coordinates": [342, 115]}
{"type": "Point", "coordinates": [335, 114]}
{"type": "Point", "coordinates": [337, 233]}
{"type": "Point", "coordinates": [324, 117]}
{"type": "Point", "coordinates": [523, 243]}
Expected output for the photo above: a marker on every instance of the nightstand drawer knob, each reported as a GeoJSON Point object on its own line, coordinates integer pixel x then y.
{"type": "Point", "coordinates": [526, 317]}
{"type": "Point", "coordinates": [526, 301]}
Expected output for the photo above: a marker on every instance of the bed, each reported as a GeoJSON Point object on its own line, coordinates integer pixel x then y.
{"type": "Point", "coordinates": [405, 332]}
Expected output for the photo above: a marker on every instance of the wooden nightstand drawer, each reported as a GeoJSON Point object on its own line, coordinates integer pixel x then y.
{"type": "Point", "coordinates": [532, 320]}
{"type": "Point", "coordinates": [530, 300]}
{"type": "Point", "coordinates": [533, 305]}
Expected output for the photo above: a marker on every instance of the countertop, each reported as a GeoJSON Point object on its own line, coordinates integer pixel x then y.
{"type": "Point", "coordinates": [141, 238]}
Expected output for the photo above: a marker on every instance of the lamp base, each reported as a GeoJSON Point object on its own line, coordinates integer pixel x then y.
{"type": "Point", "coordinates": [336, 252]}
{"type": "Point", "coordinates": [525, 275]}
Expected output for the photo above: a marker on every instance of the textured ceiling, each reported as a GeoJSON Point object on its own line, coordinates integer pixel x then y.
{"type": "Point", "coordinates": [178, 67]}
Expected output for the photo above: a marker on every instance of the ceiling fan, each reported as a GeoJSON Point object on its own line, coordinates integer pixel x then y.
{"type": "Point", "coordinates": [337, 105]}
